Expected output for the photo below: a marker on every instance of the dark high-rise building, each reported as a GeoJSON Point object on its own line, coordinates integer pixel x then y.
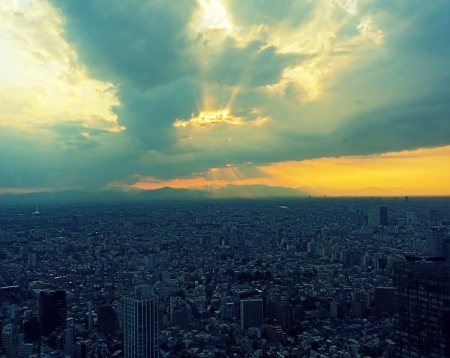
{"type": "Point", "coordinates": [422, 308]}
{"type": "Point", "coordinates": [358, 216]}
{"type": "Point", "coordinates": [180, 318]}
{"type": "Point", "coordinates": [251, 313]}
{"type": "Point", "coordinates": [436, 216]}
{"type": "Point", "coordinates": [107, 319]}
{"type": "Point", "coordinates": [281, 313]}
{"type": "Point", "coordinates": [383, 216]}
{"type": "Point", "coordinates": [52, 311]}
{"type": "Point", "coordinates": [384, 301]}
{"type": "Point", "coordinates": [30, 327]}
{"type": "Point", "coordinates": [377, 216]}
{"type": "Point", "coordinates": [75, 223]}
{"type": "Point", "coordinates": [434, 241]}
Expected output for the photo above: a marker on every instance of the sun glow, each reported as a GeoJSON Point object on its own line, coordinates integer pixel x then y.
{"type": "Point", "coordinates": [210, 22]}
{"type": "Point", "coordinates": [209, 117]}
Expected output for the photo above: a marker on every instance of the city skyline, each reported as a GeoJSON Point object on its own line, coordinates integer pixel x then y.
{"type": "Point", "coordinates": [329, 97]}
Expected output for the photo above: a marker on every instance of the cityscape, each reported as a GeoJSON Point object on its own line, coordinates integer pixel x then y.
{"type": "Point", "coordinates": [224, 178]}
{"type": "Point", "coordinates": [284, 277]}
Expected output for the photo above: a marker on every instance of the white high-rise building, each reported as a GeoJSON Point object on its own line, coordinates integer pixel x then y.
{"type": "Point", "coordinates": [8, 339]}
{"type": "Point", "coordinates": [140, 324]}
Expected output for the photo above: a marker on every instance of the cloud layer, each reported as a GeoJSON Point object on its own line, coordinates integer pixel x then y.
{"type": "Point", "coordinates": [107, 93]}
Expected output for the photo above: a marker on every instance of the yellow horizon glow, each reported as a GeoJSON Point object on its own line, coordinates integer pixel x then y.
{"type": "Point", "coordinates": [417, 172]}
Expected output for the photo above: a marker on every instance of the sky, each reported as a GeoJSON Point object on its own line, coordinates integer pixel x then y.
{"type": "Point", "coordinates": [331, 97]}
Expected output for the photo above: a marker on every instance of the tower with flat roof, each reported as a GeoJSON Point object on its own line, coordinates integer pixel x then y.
{"type": "Point", "coordinates": [251, 313]}
{"type": "Point", "coordinates": [52, 311]}
{"type": "Point", "coordinates": [140, 327]}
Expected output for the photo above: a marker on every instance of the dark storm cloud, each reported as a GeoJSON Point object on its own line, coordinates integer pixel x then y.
{"type": "Point", "coordinates": [149, 115]}
{"type": "Point", "coordinates": [139, 42]}
{"type": "Point", "coordinates": [412, 125]}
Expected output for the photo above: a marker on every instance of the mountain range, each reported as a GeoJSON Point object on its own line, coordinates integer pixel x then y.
{"type": "Point", "coordinates": [166, 193]}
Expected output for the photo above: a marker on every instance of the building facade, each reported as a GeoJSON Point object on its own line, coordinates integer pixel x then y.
{"type": "Point", "coordinates": [251, 313]}
{"type": "Point", "coordinates": [140, 326]}
{"type": "Point", "coordinates": [52, 311]}
{"type": "Point", "coordinates": [422, 308]}
{"type": "Point", "coordinates": [434, 240]}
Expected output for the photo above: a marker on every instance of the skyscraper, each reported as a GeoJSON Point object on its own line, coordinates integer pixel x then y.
{"type": "Point", "coordinates": [436, 216]}
{"type": "Point", "coordinates": [358, 216]}
{"type": "Point", "coordinates": [377, 216]}
{"type": "Point", "coordinates": [434, 240]}
{"type": "Point", "coordinates": [411, 218]}
{"type": "Point", "coordinates": [8, 339]}
{"type": "Point", "coordinates": [384, 300]}
{"type": "Point", "coordinates": [251, 313]}
{"type": "Point", "coordinates": [383, 215]}
{"type": "Point", "coordinates": [281, 313]}
{"type": "Point", "coordinates": [422, 308]}
{"type": "Point", "coordinates": [108, 321]}
{"type": "Point", "coordinates": [52, 311]}
{"type": "Point", "coordinates": [141, 329]}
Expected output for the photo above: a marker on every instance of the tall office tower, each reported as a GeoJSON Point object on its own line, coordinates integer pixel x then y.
{"type": "Point", "coordinates": [227, 308]}
{"type": "Point", "coordinates": [337, 310]}
{"type": "Point", "coordinates": [90, 318]}
{"type": "Point", "coordinates": [384, 301]}
{"type": "Point", "coordinates": [281, 313]}
{"type": "Point", "coordinates": [108, 321]}
{"type": "Point", "coordinates": [140, 324]}
{"type": "Point", "coordinates": [411, 218]}
{"type": "Point", "coordinates": [373, 217]}
{"type": "Point", "coordinates": [251, 313]}
{"type": "Point", "coordinates": [436, 216]}
{"type": "Point", "coordinates": [151, 261]}
{"type": "Point", "coordinates": [422, 308]}
{"type": "Point", "coordinates": [383, 215]}
{"type": "Point", "coordinates": [31, 260]}
{"type": "Point", "coordinates": [359, 218]}
{"type": "Point", "coordinates": [69, 339]}
{"type": "Point", "coordinates": [75, 223]}
{"type": "Point", "coordinates": [377, 216]}
{"type": "Point", "coordinates": [52, 311]}
{"type": "Point", "coordinates": [30, 326]}
{"type": "Point", "coordinates": [434, 240]}
{"type": "Point", "coordinates": [180, 318]}
{"type": "Point", "coordinates": [8, 339]}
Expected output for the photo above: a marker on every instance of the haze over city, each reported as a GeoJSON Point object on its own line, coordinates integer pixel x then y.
{"type": "Point", "coordinates": [336, 97]}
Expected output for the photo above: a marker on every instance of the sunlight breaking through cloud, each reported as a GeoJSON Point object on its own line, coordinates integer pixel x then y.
{"type": "Point", "coordinates": [209, 118]}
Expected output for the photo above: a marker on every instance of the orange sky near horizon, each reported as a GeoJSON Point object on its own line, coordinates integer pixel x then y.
{"type": "Point", "coordinates": [418, 172]}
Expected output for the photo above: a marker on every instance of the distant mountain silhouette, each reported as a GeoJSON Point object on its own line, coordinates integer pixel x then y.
{"type": "Point", "coordinates": [166, 193]}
